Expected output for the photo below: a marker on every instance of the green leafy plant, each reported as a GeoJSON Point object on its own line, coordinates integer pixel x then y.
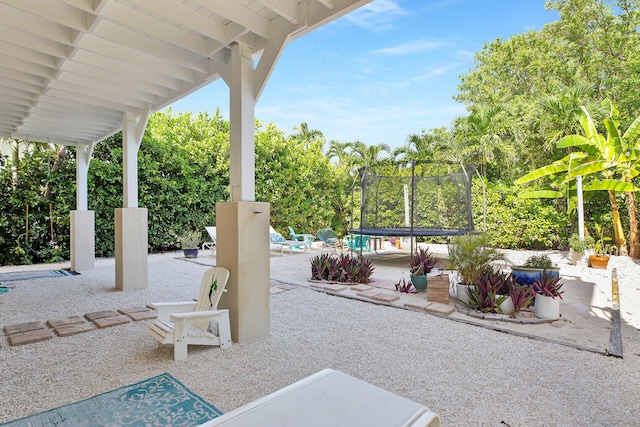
{"type": "Point", "coordinates": [491, 290]}
{"type": "Point", "coordinates": [601, 246]}
{"type": "Point", "coordinates": [580, 244]}
{"type": "Point", "coordinates": [539, 261]}
{"type": "Point", "coordinates": [405, 287]}
{"type": "Point", "coordinates": [422, 262]}
{"type": "Point", "coordinates": [471, 256]}
{"type": "Point", "coordinates": [521, 296]}
{"type": "Point", "coordinates": [189, 240]}
{"type": "Point", "coordinates": [549, 285]}
{"type": "Point", "coordinates": [344, 268]}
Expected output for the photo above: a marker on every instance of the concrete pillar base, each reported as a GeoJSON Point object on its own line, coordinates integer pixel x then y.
{"type": "Point", "coordinates": [131, 245]}
{"type": "Point", "coordinates": [243, 242]}
{"type": "Point", "coordinates": [83, 240]}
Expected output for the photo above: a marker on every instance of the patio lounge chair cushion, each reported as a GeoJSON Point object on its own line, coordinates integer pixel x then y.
{"type": "Point", "coordinates": [184, 323]}
{"type": "Point", "coordinates": [282, 243]}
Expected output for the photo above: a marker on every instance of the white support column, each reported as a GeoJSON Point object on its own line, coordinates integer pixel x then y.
{"type": "Point", "coordinates": [83, 242]}
{"type": "Point", "coordinates": [241, 134]}
{"type": "Point", "coordinates": [131, 222]}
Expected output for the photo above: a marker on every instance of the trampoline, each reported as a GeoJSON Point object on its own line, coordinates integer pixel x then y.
{"type": "Point", "coordinates": [415, 199]}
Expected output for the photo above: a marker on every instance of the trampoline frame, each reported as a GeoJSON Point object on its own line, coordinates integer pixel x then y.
{"type": "Point", "coordinates": [412, 231]}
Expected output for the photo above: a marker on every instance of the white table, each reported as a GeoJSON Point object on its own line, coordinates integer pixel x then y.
{"type": "Point", "coordinates": [329, 398]}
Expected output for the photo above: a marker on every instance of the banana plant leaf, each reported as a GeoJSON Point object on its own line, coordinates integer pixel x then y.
{"type": "Point", "coordinates": [609, 185]}
{"type": "Point", "coordinates": [541, 194]}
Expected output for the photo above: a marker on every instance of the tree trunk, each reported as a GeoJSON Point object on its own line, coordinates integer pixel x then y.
{"type": "Point", "coordinates": [634, 239]}
{"type": "Point", "coordinates": [15, 160]}
{"type": "Point", "coordinates": [60, 153]}
{"type": "Point", "coordinates": [621, 241]}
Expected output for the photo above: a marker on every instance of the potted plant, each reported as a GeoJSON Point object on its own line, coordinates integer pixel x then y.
{"type": "Point", "coordinates": [421, 264]}
{"type": "Point", "coordinates": [471, 256]}
{"type": "Point", "coordinates": [491, 293]}
{"type": "Point", "coordinates": [521, 297]}
{"type": "Point", "coordinates": [533, 268]}
{"type": "Point", "coordinates": [548, 295]}
{"type": "Point", "coordinates": [190, 242]}
{"type": "Point", "coordinates": [578, 247]}
{"type": "Point", "coordinates": [602, 250]}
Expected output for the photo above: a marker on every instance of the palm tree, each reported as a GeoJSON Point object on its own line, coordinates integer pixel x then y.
{"type": "Point", "coordinates": [609, 163]}
{"type": "Point", "coordinates": [305, 135]}
{"type": "Point", "coordinates": [483, 132]}
{"type": "Point", "coordinates": [367, 155]}
{"type": "Point", "coordinates": [426, 145]}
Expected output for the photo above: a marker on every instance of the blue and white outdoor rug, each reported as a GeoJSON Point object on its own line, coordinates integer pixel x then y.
{"type": "Point", "coordinates": [39, 274]}
{"type": "Point", "coordinates": [157, 401]}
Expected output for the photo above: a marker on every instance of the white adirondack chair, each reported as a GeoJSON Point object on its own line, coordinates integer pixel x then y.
{"type": "Point", "coordinates": [184, 323]}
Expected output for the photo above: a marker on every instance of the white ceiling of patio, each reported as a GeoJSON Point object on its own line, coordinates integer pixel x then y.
{"type": "Point", "coordinates": [70, 69]}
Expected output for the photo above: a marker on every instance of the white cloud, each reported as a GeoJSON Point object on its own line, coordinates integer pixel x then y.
{"type": "Point", "coordinates": [377, 15]}
{"type": "Point", "coordinates": [416, 46]}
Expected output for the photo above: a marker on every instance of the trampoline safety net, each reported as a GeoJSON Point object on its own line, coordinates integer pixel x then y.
{"type": "Point", "coordinates": [423, 198]}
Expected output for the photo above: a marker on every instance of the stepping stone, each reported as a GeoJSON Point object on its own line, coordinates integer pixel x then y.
{"type": "Point", "coordinates": [105, 322]}
{"type": "Point", "coordinates": [287, 287]}
{"type": "Point", "coordinates": [29, 337]}
{"type": "Point", "coordinates": [275, 290]}
{"type": "Point", "coordinates": [132, 310]}
{"type": "Point", "coordinates": [417, 306]}
{"type": "Point", "coordinates": [143, 315]}
{"type": "Point", "coordinates": [334, 288]}
{"type": "Point", "coordinates": [64, 322]}
{"type": "Point", "coordinates": [139, 313]}
{"type": "Point", "coordinates": [439, 308]}
{"type": "Point", "coordinates": [360, 288]}
{"type": "Point", "coordinates": [368, 294]}
{"type": "Point", "coordinates": [72, 329]}
{"type": "Point", "coordinates": [386, 297]}
{"type": "Point", "coordinates": [22, 327]}
{"type": "Point", "coordinates": [101, 314]}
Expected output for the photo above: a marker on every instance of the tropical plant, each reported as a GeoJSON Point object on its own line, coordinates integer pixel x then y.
{"type": "Point", "coordinates": [345, 268]}
{"type": "Point", "coordinates": [422, 262]}
{"type": "Point", "coordinates": [189, 240]}
{"type": "Point", "coordinates": [548, 284]}
{"type": "Point", "coordinates": [601, 247]}
{"type": "Point", "coordinates": [580, 244]}
{"type": "Point", "coordinates": [489, 292]}
{"type": "Point", "coordinates": [405, 287]}
{"type": "Point", "coordinates": [539, 261]}
{"type": "Point", "coordinates": [607, 164]}
{"type": "Point", "coordinates": [521, 296]}
{"type": "Point", "coordinates": [471, 256]}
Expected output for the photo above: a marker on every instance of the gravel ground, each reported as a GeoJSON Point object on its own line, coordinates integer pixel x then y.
{"type": "Point", "coordinates": [468, 375]}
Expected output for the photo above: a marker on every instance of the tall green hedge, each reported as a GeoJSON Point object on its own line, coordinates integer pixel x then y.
{"type": "Point", "coordinates": [183, 171]}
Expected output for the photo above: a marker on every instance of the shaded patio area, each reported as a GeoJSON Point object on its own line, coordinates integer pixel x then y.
{"type": "Point", "coordinates": [469, 375]}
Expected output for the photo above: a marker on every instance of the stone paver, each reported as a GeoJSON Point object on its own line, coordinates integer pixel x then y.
{"type": "Point", "coordinates": [417, 306]}
{"type": "Point", "coordinates": [439, 308]}
{"type": "Point", "coordinates": [386, 297]}
{"type": "Point", "coordinates": [130, 310]}
{"type": "Point", "coordinates": [73, 329]}
{"type": "Point", "coordinates": [105, 322]}
{"type": "Point", "coordinates": [360, 288]}
{"type": "Point", "coordinates": [100, 314]}
{"type": "Point", "coordinates": [334, 288]}
{"type": "Point", "coordinates": [368, 294]}
{"type": "Point", "coordinates": [23, 327]}
{"type": "Point", "coordinates": [64, 322]}
{"type": "Point", "coordinates": [29, 337]}
{"type": "Point", "coordinates": [143, 315]}
{"type": "Point", "coordinates": [276, 290]}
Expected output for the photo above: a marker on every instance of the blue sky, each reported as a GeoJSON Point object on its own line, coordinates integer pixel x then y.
{"type": "Point", "coordinates": [383, 72]}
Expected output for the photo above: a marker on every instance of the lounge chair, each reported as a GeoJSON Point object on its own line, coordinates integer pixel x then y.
{"type": "Point", "coordinates": [281, 243]}
{"type": "Point", "coordinates": [329, 398]}
{"type": "Point", "coordinates": [212, 244]}
{"type": "Point", "coordinates": [306, 238]}
{"type": "Point", "coordinates": [358, 243]}
{"type": "Point", "coordinates": [184, 323]}
{"type": "Point", "coordinates": [329, 239]}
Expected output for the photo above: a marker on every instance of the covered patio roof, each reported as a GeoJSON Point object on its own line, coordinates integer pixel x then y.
{"type": "Point", "coordinates": [70, 69]}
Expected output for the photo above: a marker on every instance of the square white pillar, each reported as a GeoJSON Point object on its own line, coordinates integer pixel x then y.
{"type": "Point", "coordinates": [131, 245]}
{"type": "Point", "coordinates": [243, 248]}
{"type": "Point", "coordinates": [83, 241]}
